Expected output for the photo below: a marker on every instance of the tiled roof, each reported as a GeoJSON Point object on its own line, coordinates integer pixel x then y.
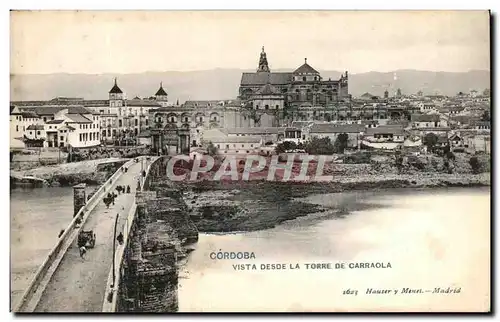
{"type": "Point", "coordinates": [211, 103]}
{"type": "Point", "coordinates": [305, 69]}
{"type": "Point", "coordinates": [29, 115]}
{"type": "Point", "coordinates": [262, 78]}
{"type": "Point", "coordinates": [140, 102]}
{"type": "Point", "coordinates": [51, 110]}
{"type": "Point", "coordinates": [115, 89]}
{"type": "Point", "coordinates": [267, 89]}
{"type": "Point", "coordinates": [252, 130]}
{"type": "Point", "coordinates": [78, 118]}
{"type": "Point", "coordinates": [335, 128]}
{"type": "Point", "coordinates": [384, 129]}
{"type": "Point", "coordinates": [425, 117]}
{"type": "Point", "coordinates": [67, 127]}
{"type": "Point", "coordinates": [96, 103]}
{"type": "Point", "coordinates": [161, 92]}
{"type": "Point", "coordinates": [55, 122]}
{"type": "Point", "coordinates": [236, 139]}
{"type": "Point", "coordinates": [35, 127]}
{"type": "Point", "coordinates": [438, 129]}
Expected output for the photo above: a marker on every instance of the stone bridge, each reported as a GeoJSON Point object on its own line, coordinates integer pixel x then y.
{"type": "Point", "coordinates": [137, 275]}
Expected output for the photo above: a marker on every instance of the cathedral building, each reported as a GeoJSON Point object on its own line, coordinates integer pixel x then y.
{"type": "Point", "coordinates": [300, 88]}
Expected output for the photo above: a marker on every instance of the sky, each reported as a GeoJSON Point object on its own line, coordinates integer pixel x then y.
{"type": "Point", "coordinates": [95, 42]}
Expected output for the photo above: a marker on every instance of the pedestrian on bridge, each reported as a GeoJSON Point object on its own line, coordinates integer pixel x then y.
{"type": "Point", "coordinates": [83, 251]}
{"type": "Point", "coordinates": [128, 189]}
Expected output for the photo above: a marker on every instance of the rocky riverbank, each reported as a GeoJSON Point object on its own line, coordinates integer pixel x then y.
{"type": "Point", "coordinates": [94, 172]}
{"type": "Point", "coordinates": [231, 206]}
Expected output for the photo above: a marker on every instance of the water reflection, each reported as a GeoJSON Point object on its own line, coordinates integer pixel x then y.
{"type": "Point", "coordinates": [436, 238]}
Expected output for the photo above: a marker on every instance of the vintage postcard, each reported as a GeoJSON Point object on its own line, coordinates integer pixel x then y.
{"type": "Point", "coordinates": [250, 161]}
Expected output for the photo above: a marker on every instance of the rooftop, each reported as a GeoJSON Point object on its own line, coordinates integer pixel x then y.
{"type": "Point", "coordinates": [384, 129]}
{"type": "Point", "coordinates": [115, 89]}
{"type": "Point", "coordinates": [306, 69]}
{"type": "Point", "coordinates": [55, 122]}
{"type": "Point", "coordinates": [262, 78]}
{"type": "Point", "coordinates": [35, 127]}
{"type": "Point", "coordinates": [252, 130]}
{"type": "Point", "coordinates": [78, 118]}
{"type": "Point", "coordinates": [237, 139]}
{"type": "Point", "coordinates": [335, 128]}
{"type": "Point", "coordinates": [425, 117]}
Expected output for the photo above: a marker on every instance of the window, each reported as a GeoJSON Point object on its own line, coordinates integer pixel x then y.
{"type": "Point", "coordinates": [242, 145]}
{"type": "Point", "coordinates": [227, 146]}
{"type": "Point", "coordinates": [267, 107]}
{"type": "Point", "coordinates": [237, 151]}
{"type": "Point", "coordinates": [30, 132]}
{"type": "Point", "coordinates": [37, 132]}
{"type": "Point", "coordinates": [218, 146]}
{"type": "Point", "coordinates": [251, 145]}
{"type": "Point", "coordinates": [17, 128]}
{"type": "Point", "coordinates": [61, 138]}
{"type": "Point", "coordinates": [198, 131]}
{"type": "Point", "coordinates": [277, 106]}
{"type": "Point", "coordinates": [234, 145]}
{"type": "Point", "coordinates": [186, 119]}
{"type": "Point", "coordinates": [248, 151]}
{"type": "Point", "coordinates": [136, 122]}
{"type": "Point", "coordinates": [304, 78]}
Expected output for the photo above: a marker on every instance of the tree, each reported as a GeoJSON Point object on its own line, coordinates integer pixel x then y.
{"type": "Point", "coordinates": [475, 165]}
{"type": "Point", "coordinates": [320, 146]}
{"type": "Point", "coordinates": [398, 160]}
{"type": "Point", "coordinates": [285, 146]}
{"type": "Point", "coordinates": [341, 143]}
{"type": "Point", "coordinates": [486, 116]}
{"type": "Point", "coordinates": [211, 149]}
{"type": "Point", "coordinates": [430, 140]}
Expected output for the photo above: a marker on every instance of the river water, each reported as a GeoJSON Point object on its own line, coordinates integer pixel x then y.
{"type": "Point", "coordinates": [37, 215]}
{"type": "Point", "coordinates": [431, 238]}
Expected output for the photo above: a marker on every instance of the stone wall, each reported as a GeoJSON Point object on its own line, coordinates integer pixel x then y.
{"type": "Point", "coordinates": [149, 275]}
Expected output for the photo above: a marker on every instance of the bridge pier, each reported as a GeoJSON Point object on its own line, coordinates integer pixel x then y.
{"type": "Point", "coordinates": [149, 273]}
{"type": "Point", "coordinates": [79, 197]}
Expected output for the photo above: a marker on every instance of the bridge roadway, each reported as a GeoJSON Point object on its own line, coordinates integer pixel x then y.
{"type": "Point", "coordinates": [78, 285]}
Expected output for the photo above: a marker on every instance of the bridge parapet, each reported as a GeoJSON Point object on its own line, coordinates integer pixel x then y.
{"type": "Point", "coordinates": [33, 292]}
{"type": "Point", "coordinates": [146, 276]}
{"type": "Point", "coordinates": [129, 254]}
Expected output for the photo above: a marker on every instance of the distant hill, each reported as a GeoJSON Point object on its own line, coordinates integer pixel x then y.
{"type": "Point", "coordinates": [224, 83]}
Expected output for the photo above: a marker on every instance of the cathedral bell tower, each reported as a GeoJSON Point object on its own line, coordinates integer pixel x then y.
{"type": "Point", "coordinates": [116, 96]}
{"type": "Point", "coordinates": [263, 66]}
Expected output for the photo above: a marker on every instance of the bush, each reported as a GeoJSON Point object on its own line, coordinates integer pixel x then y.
{"type": "Point", "coordinates": [358, 158]}
{"type": "Point", "coordinates": [320, 146]}
{"type": "Point", "coordinates": [475, 165]}
{"type": "Point", "coordinates": [285, 146]}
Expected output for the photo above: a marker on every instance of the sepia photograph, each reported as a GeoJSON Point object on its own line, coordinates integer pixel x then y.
{"type": "Point", "coordinates": [250, 161]}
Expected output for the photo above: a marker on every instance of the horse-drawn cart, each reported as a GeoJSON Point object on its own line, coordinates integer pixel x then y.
{"type": "Point", "coordinates": [86, 238]}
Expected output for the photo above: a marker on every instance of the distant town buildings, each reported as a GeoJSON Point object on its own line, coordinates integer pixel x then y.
{"type": "Point", "coordinates": [270, 107]}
